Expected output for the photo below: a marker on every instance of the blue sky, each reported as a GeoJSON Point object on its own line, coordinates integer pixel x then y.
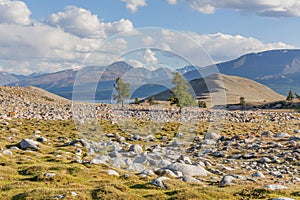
{"type": "Point", "coordinates": [158, 13]}
{"type": "Point", "coordinates": [46, 36]}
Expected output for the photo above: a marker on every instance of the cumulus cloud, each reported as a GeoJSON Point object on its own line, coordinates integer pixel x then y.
{"type": "Point", "coordinates": [278, 8]}
{"type": "Point", "coordinates": [14, 12]}
{"type": "Point", "coordinates": [150, 57]}
{"type": "Point", "coordinates": [133, 5]}
{"type": "Point", "coordinates": [225, 46]}
{"type": "Point", "coordinates": [83, 23]}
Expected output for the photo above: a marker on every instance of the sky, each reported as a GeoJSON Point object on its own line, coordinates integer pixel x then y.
{"type": "Point", "coordinates": [47, 36]}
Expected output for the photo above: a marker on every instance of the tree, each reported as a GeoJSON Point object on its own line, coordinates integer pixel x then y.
{"type": "Point", "coordinates": [202, 104]}
{"type": "Point", "coordinates": [297, 95]}
{"type": "Point", "coordinates": [182, 98]}
{"type": "Point", "coordinates": [136, 101]}
{"type": "Point", "coordinates": [151, 101]}
{"type": "Point", "coordinates": [243, 102]}
{"type": "Point", "coordinates": [123, 90]}
{"type": "Point", "coordinates": [290, 96]}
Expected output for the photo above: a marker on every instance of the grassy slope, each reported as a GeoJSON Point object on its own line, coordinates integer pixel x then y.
{"type": "Point", "coordinates": [21, 175]}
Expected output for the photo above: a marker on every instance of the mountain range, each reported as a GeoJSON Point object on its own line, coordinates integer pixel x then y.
{"type": "Point", "coordinates": [277, 69]}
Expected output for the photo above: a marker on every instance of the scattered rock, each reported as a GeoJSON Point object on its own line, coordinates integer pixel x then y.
{"type": "Point", "coordinates": [190, 179]}
{"type": "Point", "coordinates": [211, 136]}
{"type": "Point", "coordinates": [258, 175]}
{"type": "Point", "coordinates": [113, 172]}
{"type": "Point", "coordinates": [275, 187]}
{"type": "Point", "coordinates": [186, 169]}
{"type": "Point", "coordinates": [136, 149]}
{"type": "Point", "coordinates": [281, 135]}
{"type": "Point", "coordinates": [28, 144]}
{"type": "Point", "coordinates": [49, 175]}
{"type": "Point", "coordinates": [159, 182]}
{"type": "Point", "coordinates": [7, 152]}
{"type": "Point", "coordinates": [227, 180]}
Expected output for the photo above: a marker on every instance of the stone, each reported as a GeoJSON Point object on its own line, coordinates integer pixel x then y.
{"type": "Point", "coordinates": [136, 149]}
{"type": "Point", "coordinates": [28, 144]}
{"type": "Point", "coordinates": [266, 134]}
{"type": "Point", "coordinates": [211, 136]}
{"type": "Point", "coordinates": [118, 162]}
{"type": "Point", "coordinates": [74, 194]}
{"type": "Point", "coordinates": [141, 159]}
{"type": "Point", "coordinates": [275, 187]}
{"type": "Point", "coordinates": [41, 139]}
{"type": "Point", "coordinates": [97, 161]}
{"type": "Point", "coordinates": [265, 160]}
{"type": "Point", "coordinates": [113, 173]}
{"type": "Point", "coordinates": [82, 141]}
{"type": "Point", "coordinates": [282, 198]}
{"type": "Point", "coordinates": [148, 172]}
{"type": "Point", "coordinates": [159, 182]}
{"type": "Point", "coordinates": [60, 196]}
{"type": "Point", "coordinates": [136, 167]}
{"type": "Point", "coordinates": [169, 173]}
{"type": "Point", "coordinates": [218, 154]}
{"type": "Point", "coordinates": [227, 180]}
{"type": "Point", "coordinates": [186, 169]}
{"type": "Point", "coordinates": [258, 175]}
{"type": "Point", "coordinates": [281, 135]}
{"type": "Point", "coordinates": [49, 175]}
{"type": "Point", "coordinates": [14, 148]}
{"type": "Point", "coordinates": [190, 179]}
{"type": "Point", "coordinates": [185, 159]}
{"type": "Point", "coordinates": [7, 152]}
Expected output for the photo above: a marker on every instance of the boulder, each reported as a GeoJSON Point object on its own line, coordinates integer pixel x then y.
{"type": "Point", "coordinates": [211, 136]}
{"type": "Point", "coordinates": [227, 180]}
{"type": "Point", "coordinates": [275, 187]}
{"type": "Point", "coordinates": [136, 149]}
{"type": "Point", "coordinates": [29, 144]}
{"type": "Point", "coordinates": [186, 169]}
{"type": "Point", "coordinates": [113, 173]}
{"type": "Point", "coordinates": [258, 175]}
{"type": "Point", "coordinates": [159, 182]}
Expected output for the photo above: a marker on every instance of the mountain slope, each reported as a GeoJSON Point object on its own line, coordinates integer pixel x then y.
{"type": "Point", "coordinates": [234, 88]}
{"type": "Point", "coordinates": [277, 69]}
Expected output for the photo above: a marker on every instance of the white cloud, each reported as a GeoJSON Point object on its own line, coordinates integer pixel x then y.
{"type": "Point", "coordinates": [135, 63]}
{"type": "Point", "coordinates": [133, 5]}
{"type": "Point", "coordinates": [273, 8]}
{"type": "Point", "coordinates": [83, 23]}
{"type": "Point", "coordinates": [14, 12]}
{"type": "Point", "coordinates": [224, 46]}
{"type": "Point", "coordinates": [172, 2]}
{"type": "Point", "coordinates": [147, 41]}
{"type": "Point", "coordinates": [150, 57]}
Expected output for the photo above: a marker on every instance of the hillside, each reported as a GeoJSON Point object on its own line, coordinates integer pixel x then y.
{"type": "Point", "coordinates": [277, 69]}
{"type": "Point", "coordinates": [32, 102]}
{"type": "Point", "coordinates": [234, 87]}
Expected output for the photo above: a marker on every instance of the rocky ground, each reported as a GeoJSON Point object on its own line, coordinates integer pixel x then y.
{"type": "Point", "coordinates": [196, 154]}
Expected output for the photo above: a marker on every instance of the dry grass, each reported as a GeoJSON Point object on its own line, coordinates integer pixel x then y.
{"type": "Point", "coordinates": [22, 174]}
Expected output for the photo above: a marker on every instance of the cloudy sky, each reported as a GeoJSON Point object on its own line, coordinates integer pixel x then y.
{"type": "Point", "coordinates": [47, 36]}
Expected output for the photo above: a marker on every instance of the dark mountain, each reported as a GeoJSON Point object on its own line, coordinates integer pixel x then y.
{"type": "Point", "coordinates": [278, 69]}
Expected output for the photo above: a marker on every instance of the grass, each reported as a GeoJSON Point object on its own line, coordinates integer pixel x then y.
{"type": "Point", "coordinates": [22, 174]}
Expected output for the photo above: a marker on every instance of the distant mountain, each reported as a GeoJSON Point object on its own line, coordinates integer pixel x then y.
{"type": "Point", "coordinates": [7, 78]}
{"type": "Point", "coordinates": [278, 69]}
{"type": "Point", "coordinates": [228, 89]}
{"type": "Point", "coordinates": [101, 79]}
